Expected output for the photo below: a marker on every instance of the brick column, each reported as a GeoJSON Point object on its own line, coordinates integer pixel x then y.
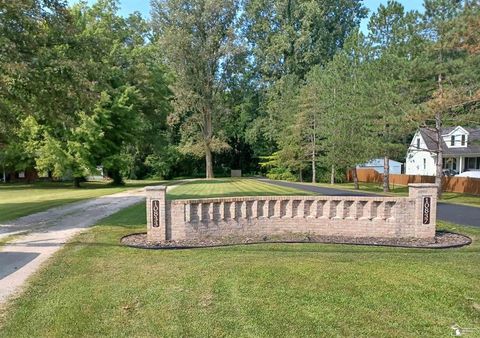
{"type": "Point", "coordinates": [277, 209]}
{"type": "Point", "coordinates": [266, 209]}
{"type": "Point", "coordinates": [243, 210]}
{"type": "Point", "coordinates": [222, 211]}
{"type": "Point", "coordinates": [254, 210]}
{"type": "Point", "coordinates": [156, 213]}
{"type": "Point", "coordinates": [425, 217]}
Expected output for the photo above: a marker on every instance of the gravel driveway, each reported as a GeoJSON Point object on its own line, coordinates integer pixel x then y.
{"type": "Point", "coordinates": [47, 232]}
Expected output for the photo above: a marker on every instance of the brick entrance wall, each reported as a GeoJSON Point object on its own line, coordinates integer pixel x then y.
{"type": "Point", "coordinates": [382, 217]}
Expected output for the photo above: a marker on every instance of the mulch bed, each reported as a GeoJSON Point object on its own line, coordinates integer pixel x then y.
{"type": "Point", "coordinates": [442, 240]}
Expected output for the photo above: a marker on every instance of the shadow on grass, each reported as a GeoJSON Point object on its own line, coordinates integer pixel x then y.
{"type": "Point", "coordinates": [473, 200]}
{"type": "Point", "coordinates": [347, 248]}
{"type": "Point", "coordinates": [83, 186]}
{"type": "Point", "coordinates": [212, 181]}
{"type": "Point", "coordinates": [378, 188]}
{"type": "Point", "coordinates": [399, 190]}
{"type": "Point", "coordinates": [54, 185]}
{"type": "Point", "coordinates": [141, 184]}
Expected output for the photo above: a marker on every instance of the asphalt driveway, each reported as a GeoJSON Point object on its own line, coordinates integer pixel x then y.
{"type": "Point", "coordinates": [454, 213]}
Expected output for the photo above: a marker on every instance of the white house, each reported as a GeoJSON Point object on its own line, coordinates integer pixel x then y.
{"type": "Point", "coordinates": [461, 151]}
{"type": "Point", "coordinates": [377, 165]}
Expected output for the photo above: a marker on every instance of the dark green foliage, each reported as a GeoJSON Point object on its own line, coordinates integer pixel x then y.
{"type": "Point", "coordinates": [93, 90]}
{"type": "Point", "coordinates": [289, 37]}
{"type": "Point", "coordinates": [82, 86]}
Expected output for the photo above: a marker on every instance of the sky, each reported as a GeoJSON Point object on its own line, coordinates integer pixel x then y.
{"type": "Point", "coordinates": [143, 6]}
{"type": "Point", "coordinates": [372, 6]}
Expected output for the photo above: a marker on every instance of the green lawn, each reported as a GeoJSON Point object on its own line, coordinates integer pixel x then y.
{"type": "Point", "coordinates": [401, 190]}
{"type": "Point", "coordinates": [96, 287]}
{"type": "Point", "coordinates": [229, 187]}
{"type": "Point", "coordinates": [18, 200]}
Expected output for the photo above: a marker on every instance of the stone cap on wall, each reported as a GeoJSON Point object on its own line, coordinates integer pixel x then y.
{"type": "Point", "coordinates": [156, 188]}
{"type": "Point", "coordinates": [293, 197]}
{"type": "Point", "coordinates": [416, 190]}
{"type": "Point", "coordinates": [422, 185]}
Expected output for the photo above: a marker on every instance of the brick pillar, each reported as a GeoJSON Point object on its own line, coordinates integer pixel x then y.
{"type": "Point", "coordinates": [254, 210]}
{"type": "Point", "coordinates": [243, 210]}
{"type": "Point", "coordinates": [156, 213]}
{"type": "Point", "coordinates": [222, 211]}
{"type": "Point", "coordinates": [425, 216]}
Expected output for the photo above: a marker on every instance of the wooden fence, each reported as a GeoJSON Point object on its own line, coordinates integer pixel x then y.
{"type": "Point", "coordinates": [465, 185]}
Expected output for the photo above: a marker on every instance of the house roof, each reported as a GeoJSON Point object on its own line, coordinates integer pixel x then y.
{"type": "Point", "coordinates": [473, 145]}
{"type": "Point", "coordinates": [450, 130]}
{"type": "Point", "coordinates": [378, 162]}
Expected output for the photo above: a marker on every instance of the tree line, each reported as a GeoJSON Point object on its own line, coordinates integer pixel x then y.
{"type": "Point", "coordinates": [290, 88]}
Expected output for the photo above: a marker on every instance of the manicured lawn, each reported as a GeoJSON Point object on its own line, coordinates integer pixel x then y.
{"type": "Point", "coordinates": [229, 187]}
{"type": "Point", "coordinates": [18, 200]}
{"type": "Point", "coordinates": [96, 287]}
{"type": "Point", "coordinates": [453, 197]}
{"type": "Point", "coordinates": [402, 190]}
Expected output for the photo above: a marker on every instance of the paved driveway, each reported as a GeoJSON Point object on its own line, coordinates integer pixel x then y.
{"type": "Point", "coordinates": [454, 213]}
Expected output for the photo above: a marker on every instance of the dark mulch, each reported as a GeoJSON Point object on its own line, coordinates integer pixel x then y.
{"type": "Point", "coordinates": [442, 240]}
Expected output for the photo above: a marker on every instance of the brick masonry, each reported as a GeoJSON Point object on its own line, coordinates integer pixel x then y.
{"type": "Point", "coordinates": [382, 217]}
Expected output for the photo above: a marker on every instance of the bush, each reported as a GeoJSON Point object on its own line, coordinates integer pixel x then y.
{"type": "Point", "coordinates": [281, 174]}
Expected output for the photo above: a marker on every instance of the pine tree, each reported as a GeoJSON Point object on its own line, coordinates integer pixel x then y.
{"type": "Point", "coordinates": [448, 76]}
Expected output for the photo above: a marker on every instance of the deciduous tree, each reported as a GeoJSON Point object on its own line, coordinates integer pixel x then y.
{"type": "Point", "coordinates": [197, 37]}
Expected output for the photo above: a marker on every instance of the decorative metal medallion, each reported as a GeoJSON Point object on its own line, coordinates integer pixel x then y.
{"type": "Point", "coordinates": [155, 213]}
{"type": "Point", "coordinates": [426, 210]}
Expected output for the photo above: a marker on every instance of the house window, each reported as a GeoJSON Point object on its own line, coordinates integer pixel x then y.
{"type": "Point", "coordinates": [452, 141]}
{"type": "Point", "coordinates": [418, 143]}
{"type": "Point", "coordinates": [470, 163]}
{"type": "Point", "coordinates": [450, 163]}
{"type": "Point", "coordinates": [463, 140]}
{"type": "Point", "coordinates": [424, 164]}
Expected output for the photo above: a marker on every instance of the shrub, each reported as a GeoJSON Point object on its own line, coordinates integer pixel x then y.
{"type": "Point", "coordinates": [282, 174]}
